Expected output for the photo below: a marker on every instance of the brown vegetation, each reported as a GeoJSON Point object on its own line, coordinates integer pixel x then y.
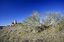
{"type": "Point", "coordinates": [31, 30]}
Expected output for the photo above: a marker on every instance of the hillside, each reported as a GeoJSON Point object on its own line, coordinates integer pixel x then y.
{"type": "Point", "coordinates": [32, 30]}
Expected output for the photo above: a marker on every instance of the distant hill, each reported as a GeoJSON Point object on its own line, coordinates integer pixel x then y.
{"type": "Point", "coordinates": [1, 27]}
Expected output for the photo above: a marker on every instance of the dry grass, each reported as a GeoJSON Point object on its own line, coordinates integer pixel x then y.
{"type": "Point", "coordinates": [25, 33]}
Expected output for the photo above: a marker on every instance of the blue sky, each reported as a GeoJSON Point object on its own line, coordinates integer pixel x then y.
{"type": "Point", "coordinates": [20, 9]}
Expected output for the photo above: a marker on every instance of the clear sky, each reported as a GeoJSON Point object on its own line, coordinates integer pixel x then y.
{"type": "Point", "coordinates": [20, 9]}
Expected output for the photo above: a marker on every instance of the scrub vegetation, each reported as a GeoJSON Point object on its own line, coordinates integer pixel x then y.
{"type": "Point", "coordinates": [51, 29]}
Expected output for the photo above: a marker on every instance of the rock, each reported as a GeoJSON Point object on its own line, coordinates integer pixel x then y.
{"type": "Point", "coordinates": [13, 23]}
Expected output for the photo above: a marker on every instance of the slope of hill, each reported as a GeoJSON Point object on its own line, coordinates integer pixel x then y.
{"type": "Point", "coordinates": [31, 30]}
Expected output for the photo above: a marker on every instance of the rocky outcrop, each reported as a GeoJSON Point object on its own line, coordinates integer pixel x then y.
{"type": "Point", "coordinates": [13, 23]}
